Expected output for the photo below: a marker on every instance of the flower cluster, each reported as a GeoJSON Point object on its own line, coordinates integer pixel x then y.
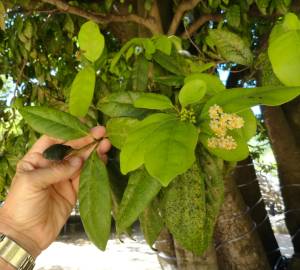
{"type": "Point", "coordinates": [220, 123]}
{"type": "Point", "coordinates": [188, 115]}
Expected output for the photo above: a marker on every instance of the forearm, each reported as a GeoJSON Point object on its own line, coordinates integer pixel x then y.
{"type": "Point", "coordinates": [19, 237]}
{"type": "Point", "coordinates": [5, 266]}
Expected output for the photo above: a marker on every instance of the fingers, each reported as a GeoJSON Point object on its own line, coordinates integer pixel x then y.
{"type": "Point", "coordinates": [96, 133]}
{"type": "Point", "coordinates": [104, 146]}
{"type": "Point", "coordinates": [42, 144]}
{"type": "Point", "coordinates": [57, 172]}
{"type": "Point", "coordinates": [32, 161]}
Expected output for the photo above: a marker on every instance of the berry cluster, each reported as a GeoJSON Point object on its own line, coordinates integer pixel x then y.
{"type": "Point", "coordinates": [188, 115]}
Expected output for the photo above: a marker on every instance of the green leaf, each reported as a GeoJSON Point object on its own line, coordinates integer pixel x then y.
{"type": "Point", "coordinates": [231, 47]}
{"type": "Point", "coordinates": [118, 130]}
{"type": "Point", "coordinates": [95, 201]}
{"type": "Point", "coordinates": [153, 101]}
{"type": "Point", "coordinates": [190, 204]}
{"type": "Point", "coordinates": [151, 222]}
{"type": "Point", "coordinates": [140, 191]}
{"type": "Point", "coordinates": [284, 56]}
{"type": "Point", "coordinates": [168, 62]}
{"type": "Point", "coordinates": [214, 191]}
{"type": "Point", "coordinates": [175, 81]}
{"type": "Point", "coordinates": [140, 73]}
{"type": "Point", "coordinates": [213, 83]}
{"type": "Point", "coordinates": [91, 41]}
{"type": "Point", "coordinates": [120, 104]}
{"type": "Point", "coordinates": [165, 144]}
{"type": "Point", "coordinates": [164, 44]}
{"type": "Point", "coordinates": [149, 47]}
{"type": "Point", "coordinates": [54, 123]}
{"type": "Point", "coordinates": [192, 92]}
{"type": "Point", "coordinates": [239, 99]}
{"type": "Point", "coordinates": [132, 154]}
{"type": "Point", "coordinates": [290, 23]}
{"type": "Point", "coordinates": [249, 128]}
{"type": "Point", "coordinates": [263, 5]}
{"type": "Point", "coordinates": [170, 151]}
{"type": "Point", "coordinates": [237, 154]}
{"type": "Point", "coordinates": [82, 91]}
{"type": "Point", "coordinates": [233, 16]}
{"type": "Point", "coordinates": [183, 208]}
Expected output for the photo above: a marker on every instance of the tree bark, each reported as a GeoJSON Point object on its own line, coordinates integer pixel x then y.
{"type": "Point", "coordinates": [287, 154]}
{"type": "Point", "coordinates": [188, 261]}
{"type": "Point", "coordinates": [238, 245]}
{"type": "Point", "coordinates": [244, 174]}
{"type": "Point", "coordinates": [166, 251]}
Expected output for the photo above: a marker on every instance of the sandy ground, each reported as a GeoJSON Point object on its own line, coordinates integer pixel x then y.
{"type": "Point", "coordinates": [77, 253]}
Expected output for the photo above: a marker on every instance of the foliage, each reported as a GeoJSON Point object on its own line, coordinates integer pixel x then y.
{"type": "Point", "coordinates": [168, 115]}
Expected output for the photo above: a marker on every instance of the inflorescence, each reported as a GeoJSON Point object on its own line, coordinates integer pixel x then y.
{"type": "Point", "coordinates": [220, 123]}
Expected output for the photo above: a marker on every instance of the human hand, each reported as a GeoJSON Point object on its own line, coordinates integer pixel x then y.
{"type": "Point", "coordinates": [43, 193]}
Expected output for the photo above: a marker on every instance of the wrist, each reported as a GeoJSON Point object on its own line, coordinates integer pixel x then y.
{"type": "Point", "coordinates": [16, 234]}
{"type": "Point", "coordinates": [5, 265]}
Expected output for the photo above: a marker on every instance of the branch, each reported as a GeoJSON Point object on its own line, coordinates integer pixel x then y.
{"type": "Point", "coordinates": [200, 22]}
{"type": "Point", "coordinates": [154, 13]}
{"type": "Point", "coordinates": [102, 18]}
{"type": "Point", "coordinates": [183, 7]}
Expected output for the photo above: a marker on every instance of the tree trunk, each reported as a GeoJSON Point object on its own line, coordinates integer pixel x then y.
{"type": "Point", "coordinates": [166, 251]}
{"type": "Point", "coordinates": [287, 154]}
{"type": "Point", "coordinates": [238, 245]}
{"type": "Point", "coordinates": [188, 261]}
{"type": "Point", "coordinates": [283, 126]}
{"type": "Point", "coordinates": [245, 177]}
{"type": "Point", "coordinates": [230, 228]}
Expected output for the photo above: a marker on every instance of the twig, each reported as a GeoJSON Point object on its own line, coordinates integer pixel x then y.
{"type": "Point", "coordinates": [103, 18]}
{"type": "Point", "coordinates": [200, 22]}
{"type": "Point", "coordinates": [183, 7]}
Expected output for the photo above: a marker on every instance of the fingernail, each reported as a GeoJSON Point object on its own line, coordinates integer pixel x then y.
{"type": "Point", "coordinates": [75, 161]}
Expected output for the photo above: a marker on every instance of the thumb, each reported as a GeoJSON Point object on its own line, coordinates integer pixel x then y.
{"type": "Point", "coordinates": [58, 172]}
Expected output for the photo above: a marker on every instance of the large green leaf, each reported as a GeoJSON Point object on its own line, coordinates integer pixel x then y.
{"type": "Point", "coordinates": [192, 92]}
{"type": "Point", "coordinates": [140, 191]}
{"type": "Point", "coordinates": [231, 47]}
{"type": "Point", "coordinates": [153, 101]}
{"type": "Point", "coordinates": [164, 44]}
{"type": "Point", "coordinates": [91, 41]}
{"type": "Point", "coordinates": [289, 23]}
{"type": "Point", "coordinates": [190, 204]}
{"type": "Point", "coordinates": [170, 151]}
{"type": "Point", "coordinates": [151, 222]}
{"type": "Point", "coordinates": [239, 99]}
{"type": "Point", "coordinates": [54, 123]}
{"type": "Point", "coordinates": [184, 210]}
{"type": "Point", "coordinates": [214, 186]}
{"type": "Point", "coordinates": [118, 130]}
{"type": "Point", "coordinates": [120, 104]}
{"type": "Point", "coordinates": [140, 74]}
{"type": "Point", "coordinates": [95, 201]}
{"type": "Point", "coordinates": [132, 154]}
{"type": "Point", "coordinates": [82, 91]}
{"type": "Point", "coordinates": [284, 56]}
{"type": "Point", "coordinates": [165, 144]}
